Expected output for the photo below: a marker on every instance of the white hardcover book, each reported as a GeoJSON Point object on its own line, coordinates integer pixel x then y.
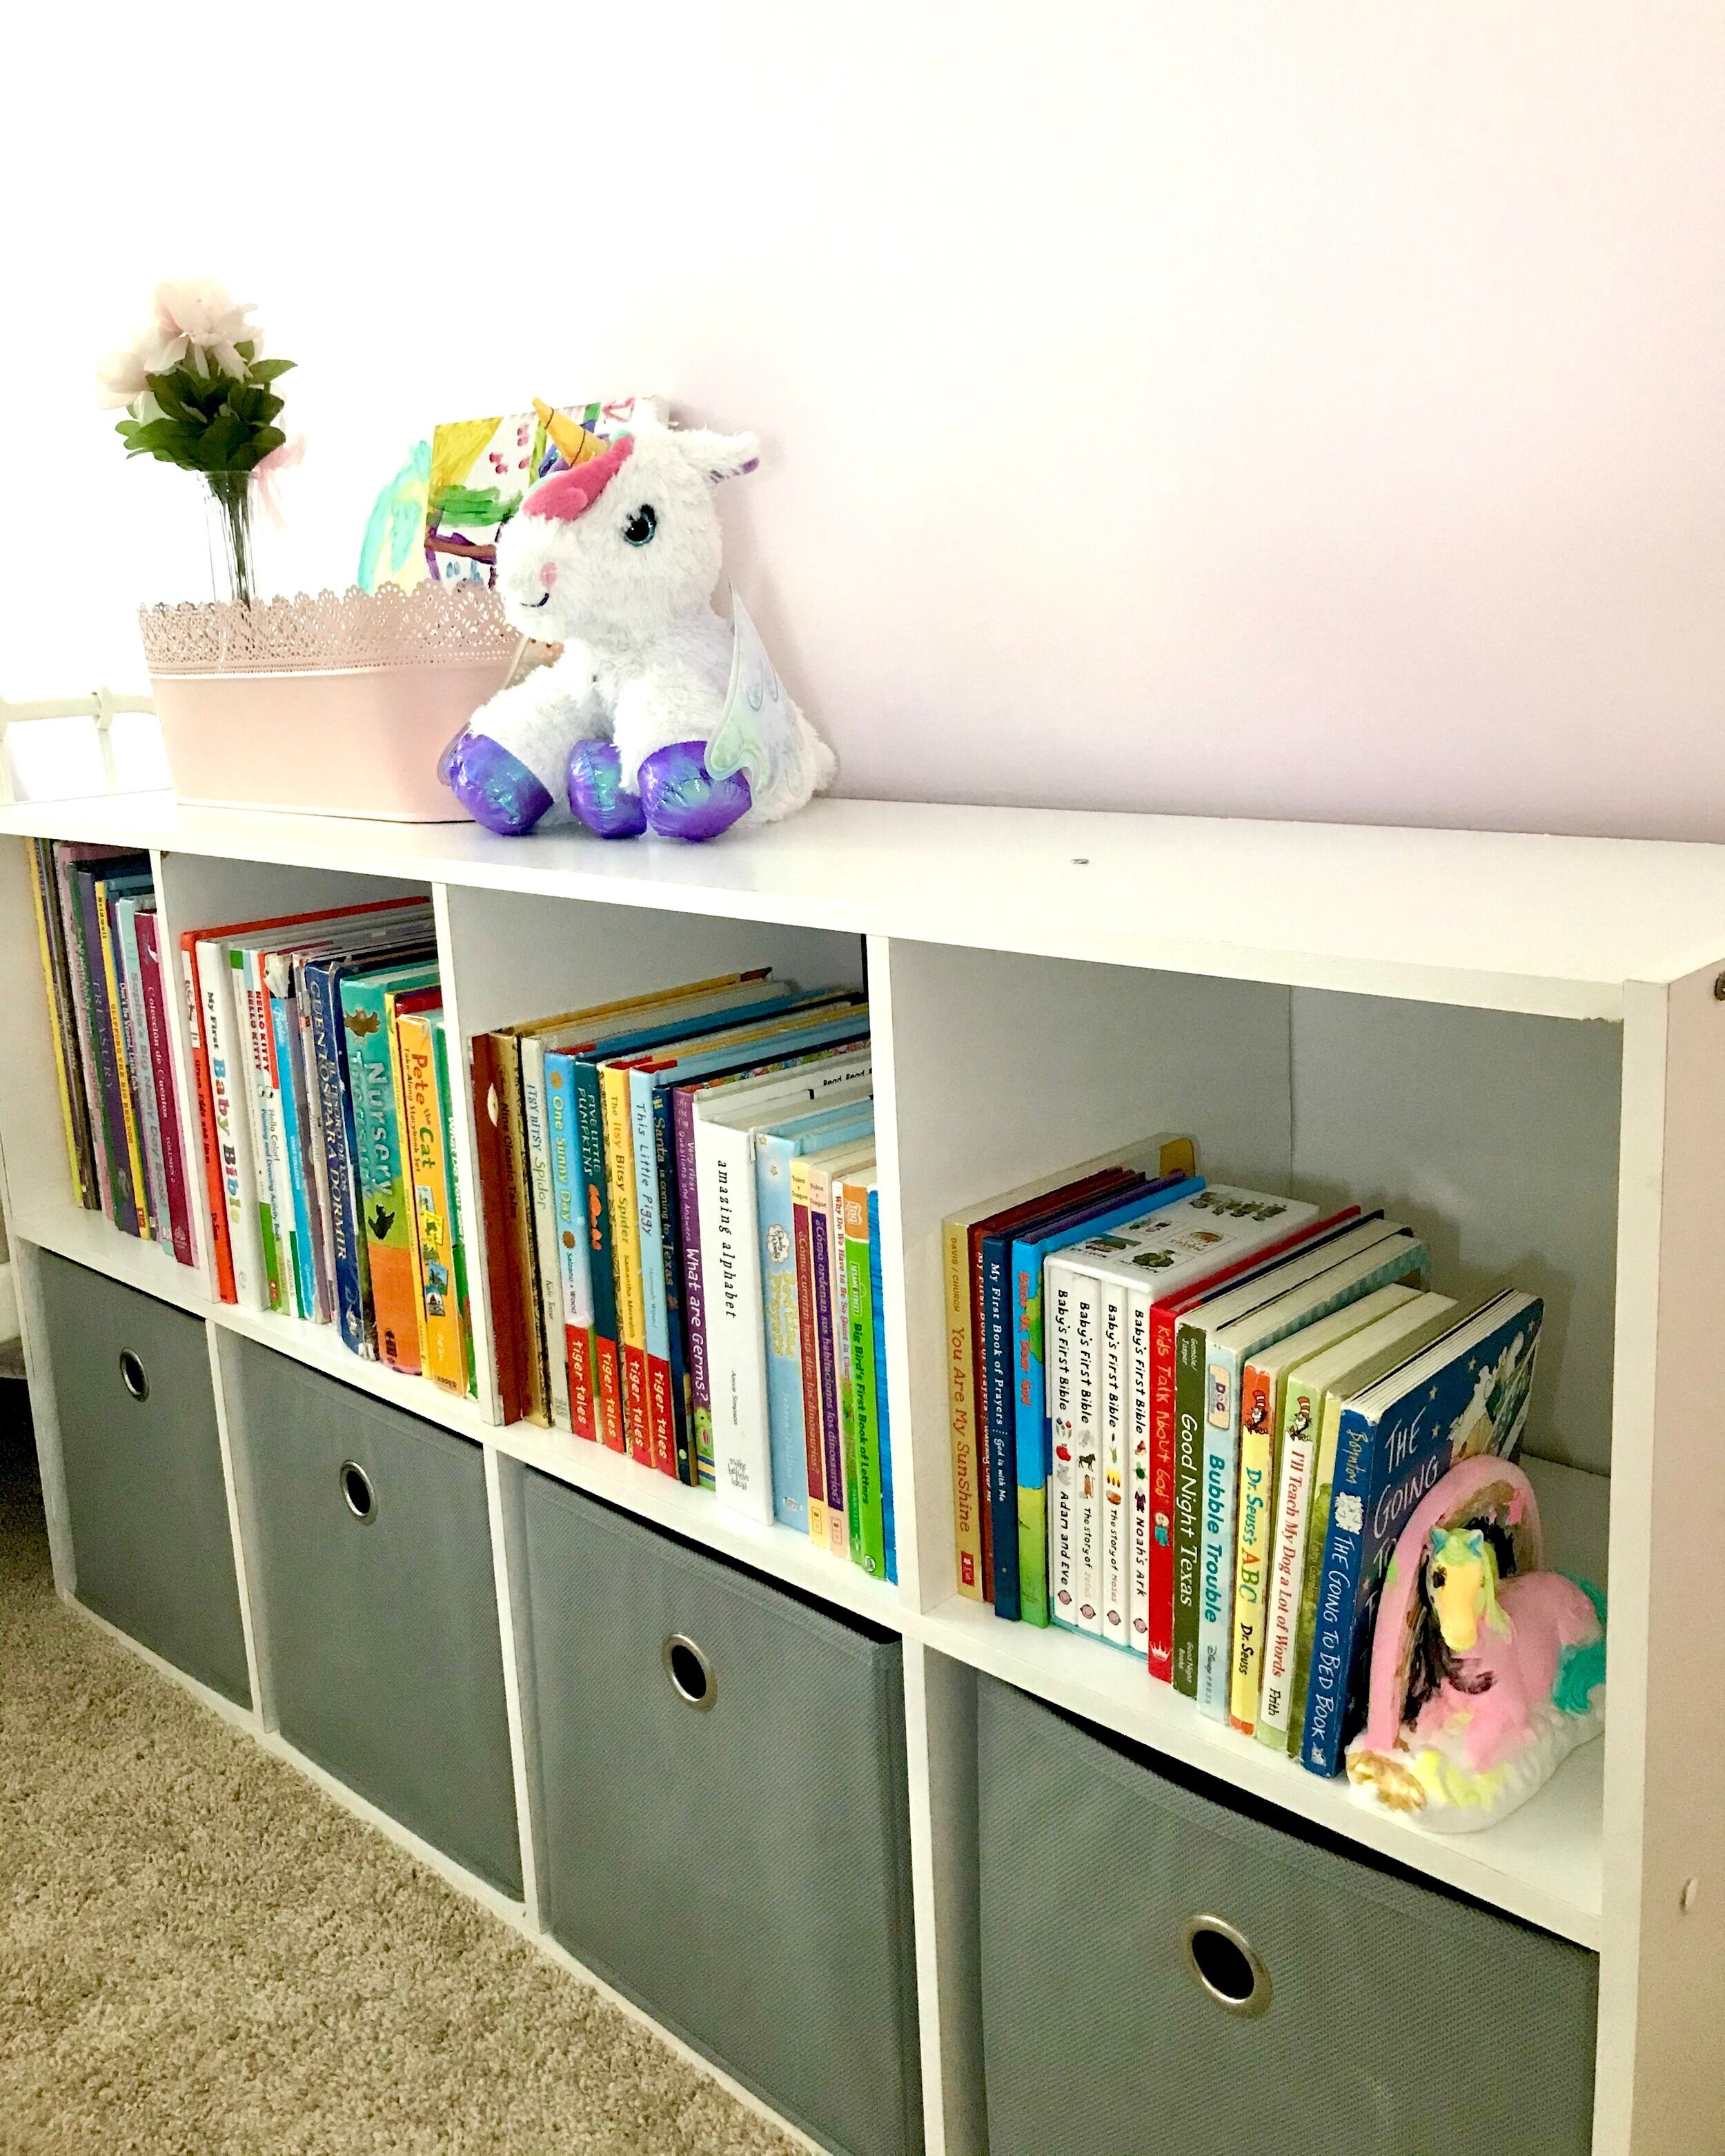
{"type": "Point", "coordinates": [1114, 1562]}
{"type": "Point", "coordinates": [549, 1273]}
{"type": "Point", "coordinates": [1138, 1364]}
{"type": "Point", "coordinates": [1086, 1448]}
{"type": "Point", "coordinates": [1065, 1581]}
{"type": "Point", "coordinates": [725, 1124]}
{"type": "Point", "coordinates": [230, 1086]}
{"type": "Point", "coordinates": [251, 1017]}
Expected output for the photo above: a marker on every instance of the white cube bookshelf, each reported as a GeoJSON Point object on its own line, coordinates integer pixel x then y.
{"type": "Point", "coordinates": [1515, 1043]}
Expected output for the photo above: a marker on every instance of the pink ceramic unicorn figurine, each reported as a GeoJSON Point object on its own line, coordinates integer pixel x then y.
{"type": "Point", "coordinates": [1486, 1670]}
{"type": "Point", "coordinates": [1498, 1647]}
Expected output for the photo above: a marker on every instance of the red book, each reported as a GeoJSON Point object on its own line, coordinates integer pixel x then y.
{"type": "Point", "coordinates": [998, 1224]}
{"type": "Point", "coordinates": [809, 1349]}
{"type": "Point", "coordinates": [497, 1196]}
{"type": "Point", "coordinates": [179, 1211]}
{"type": "Point", "coordinates": [1164, 1316]}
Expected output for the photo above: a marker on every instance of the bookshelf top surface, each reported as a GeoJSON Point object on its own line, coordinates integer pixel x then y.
{"type": "Point", "coordinates": [1503, 920]}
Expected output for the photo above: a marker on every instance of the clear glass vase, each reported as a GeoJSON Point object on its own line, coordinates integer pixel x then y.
{"type": "Point", "coordinates": [227, 530]}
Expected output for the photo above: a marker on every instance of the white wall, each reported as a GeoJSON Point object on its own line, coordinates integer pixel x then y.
{"type": "Point", "coordinates": [1205, 406]}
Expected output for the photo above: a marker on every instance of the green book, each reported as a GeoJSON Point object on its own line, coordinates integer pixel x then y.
{"type": "Point", "coordinates": [458, 1234]}
{"type": "Point", "coordinates": [367, 1022]}
{"type": "Point", "coordinates": [862, 1490]}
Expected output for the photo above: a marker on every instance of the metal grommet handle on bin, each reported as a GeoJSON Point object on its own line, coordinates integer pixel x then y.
{"type": "Point", "coordinates": [691, 1672]}
{"type": "Point", "coordinates": [1223, 1963]}
{"type": "Point", "coordinates": [357, 1493]}
{"type": "Point", "coordinates": [131, 1375]}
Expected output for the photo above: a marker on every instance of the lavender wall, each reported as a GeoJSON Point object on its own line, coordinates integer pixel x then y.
{"type": "Point", "coordinates": [1315, 409]}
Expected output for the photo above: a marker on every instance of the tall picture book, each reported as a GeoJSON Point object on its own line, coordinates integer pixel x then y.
{"type": "Point", "coordinates": [1465, 1396]}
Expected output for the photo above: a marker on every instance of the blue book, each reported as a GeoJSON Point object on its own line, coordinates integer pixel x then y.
{"type": "Point", "coordinates": [1465, 1395]}
{"type": "Point", "coordinates": [284, 1026]}
{"type": "Point", "coordinates": [336, 1132]}
{"type": "Point", "coordinates": [775, 1148]}
{"type": "Point", "coordinates": [882, 1390]}
{"type": "Point", "coordinates": [1059, 1223]}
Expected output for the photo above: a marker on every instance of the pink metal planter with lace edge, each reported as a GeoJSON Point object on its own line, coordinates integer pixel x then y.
{"type": "Point", "coordinates": [332, 704]}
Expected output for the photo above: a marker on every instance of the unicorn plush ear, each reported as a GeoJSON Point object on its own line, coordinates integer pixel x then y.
{"type": "Point", "coordinates": [719, 456]}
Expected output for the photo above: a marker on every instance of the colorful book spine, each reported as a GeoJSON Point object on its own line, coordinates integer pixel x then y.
{"type": "Point", "coordinates": [220, 1256]}
{"type": "Point", "coordinates": [775, 1229]}
{"type": "Point", "coordinates": [962, 1409]}
{"type": "Point", "coordinates": [522, 1265]}
{"type": "Point", "coordinates": [428, 1165]}
{"type": "Point", "coordinates": [498, 1199]}
{"type": "Point", "coordinates": [735, 1318]}
{"type": "Point", "coordinates": [602, 1270]}
{"type": "Point", "coordinates": [545, 1272]}
{"type": "Point", "coordinates": [397, 1006]}
{"type": "Point", "coordinates": [126, 1177]}
{"type": "Point", "coordinates": [458, 1222]}
{"type": "Point", "coordinates": [109, 894]}
{"type": "Point", "coordinates": [655, 1311]}
{"type": "Point", "coordinates": [228, 1082]}
{"type": "Point", "coordinates": [866, 1375]}
{"type": "Point", "coordinates": [1060, 1287]}
{"type": "Point", "coordinates": [999, 1422]}
{"type": "Point", "coordinates": [70, 889]}
{"type": "Point", "coordinates": [337, 1135]}
{"type": "Point", "coordinates": [128, 969]}
{"type": "Point", "coordinates": [1114, 1555]}
{"type": "Point", "coordinates": [665, 1158]}
{"type": "Point", "coordinates": [821, 1243]}
{"type": "Point", "coordinates": [626, 1262]}
{"type": "Point", "coordinates": [1189, 1500]}
{"type": "Point", "coordinates": [574, 1270]}
{"type": "Point", "coordinates": [847, 1375]}
{"type": "Point", "coordinates": [156, 1025]}
{"type": "Point", "coordinates": [1087, 1435]}
{"type": "Point", "coordinates": [1139, 1420]}
{"type": "Point", "coordinates": [883, 1389]}
{"type": "Point", "coordinates": [1254, 1537]}
{"type": "Point", "coordinates": [256, 1055]}
{"type": "Point", "coordinates": [365, 1018]}
{"type": "Point", "coordinates": [1030, 1436]}
{"type": "Point", "coordinates": [49, 946]}
{"type": "Point", "coordinates": [288, 1108]}
{"type": "Point", "coordinates": [809, 1351]}
{"type": "Point", "coordinates": [311, 1145]}
{"type": "Point", "coordinates": [701, 1407]}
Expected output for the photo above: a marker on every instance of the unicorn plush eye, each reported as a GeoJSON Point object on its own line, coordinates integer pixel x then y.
{"type": "Point", "coordinates": [641, 526]}
{"type": "Point", "coordinates": [1438, 1575]}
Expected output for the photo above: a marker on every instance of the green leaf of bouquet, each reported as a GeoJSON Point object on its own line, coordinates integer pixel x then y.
{"type": "Point", "coordinates": [268, 370]}
{"type": "Point", "coordinates": [165, 392]}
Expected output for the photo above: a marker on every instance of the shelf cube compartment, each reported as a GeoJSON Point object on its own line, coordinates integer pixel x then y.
{"type": "Point", "coordinates": [1163, 1969]}
{"type": "Point", "coordinates": [377, 1605]}
{"type": "Point", "coordinates": [152, 1545]}
{"type": "Point", "coordinates": [723, 1813]}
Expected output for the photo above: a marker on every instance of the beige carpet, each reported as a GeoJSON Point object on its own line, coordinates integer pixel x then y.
{"type": "Point", "coordinates": [200, 1955]}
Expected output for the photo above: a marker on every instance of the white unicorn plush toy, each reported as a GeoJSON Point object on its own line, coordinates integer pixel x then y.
{"type": "Point", "coordinates": [616, 560]}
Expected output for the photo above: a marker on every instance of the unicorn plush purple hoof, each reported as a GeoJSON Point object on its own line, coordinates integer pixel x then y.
{"type": "Point", "coordinates": [597, 794]}
{"type": "Point", "coordinates": [493, 787]}
{"type": "Point", "coordinates": [683, 801]}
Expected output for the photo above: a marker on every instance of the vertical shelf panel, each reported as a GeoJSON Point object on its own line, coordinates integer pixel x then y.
{"type": "Point", "coordinates": [31, 1128]}
{"type": "Point", "coordinates": [1660, 2080]}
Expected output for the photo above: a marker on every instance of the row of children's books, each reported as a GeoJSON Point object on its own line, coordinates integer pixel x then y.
{"type": "Point", "coordinates": [108, 999]}
{"type": "Point", "coordinates": [683, 1245]}
{"type": "Point", "coordinates": [1189, 1420]}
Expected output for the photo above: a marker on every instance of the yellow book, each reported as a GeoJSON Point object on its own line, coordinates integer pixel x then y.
{"type": "Point", "coordinates": [443, 1357]}
{"type": "Point", "coordinates": [626, 1260]}
{"type": "Point", "coordinates": [1263, 1395]}
{"type": "Point", "coordinates": [134, 1150]}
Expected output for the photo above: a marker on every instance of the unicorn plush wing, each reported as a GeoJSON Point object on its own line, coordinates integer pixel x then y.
{"type": "Point", "coordinates": [758, 735]}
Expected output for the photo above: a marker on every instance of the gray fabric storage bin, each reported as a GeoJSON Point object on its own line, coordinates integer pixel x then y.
{"type": "Point", "coordinates": [1400, 2020]}
{"type": "Point", "coordinates": [380, 1635]}
{"type": "Point", "coordinates": [740, 1869]}
{"type": "Point", "coordinates": [151, 1536]}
